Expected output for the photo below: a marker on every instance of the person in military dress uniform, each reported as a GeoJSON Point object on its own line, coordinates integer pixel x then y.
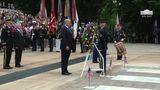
{"type": "Point", "coordinates": [119, 37]}
{"type": "Point", "coordinates": [58, 36]}
{"type": "Point", "coordinates": [7, 42]}
{"type": "Point", "coordinates": [42, 35]}
{"type": "Point", "coordinates": [50, 37]}
{"type": "Point", "coordinates": [34, 37]}
{"type": "Point", "coordinates": [102, 44]}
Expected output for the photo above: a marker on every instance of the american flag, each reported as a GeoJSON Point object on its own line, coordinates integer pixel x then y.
{"type": "Point", "coordinates": [125, 60]}
{"type": "Point", "coordinates": [42, 15]}
{"type": "Point", "coordinates": [89, 74]}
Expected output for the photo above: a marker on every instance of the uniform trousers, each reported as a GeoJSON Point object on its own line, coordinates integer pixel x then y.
{"type": "Point", "coordinates": [8, 54]}
{"type": "Point", "coordinates": [58, 43]}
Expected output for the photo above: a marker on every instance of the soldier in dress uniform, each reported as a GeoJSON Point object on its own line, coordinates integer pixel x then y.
{"type": "Point", "coordinates": [80, 32]}
{"type": "Point", "coordinates": [102, 43]}
{"type": "Point", "coordinates": [0, 39]}
{"type": "Point", "coordinates": [7, 42]}
{"type": "Point", "coordinates": [58, 36]}
{"type": "Point", "coordinates": [42, 35]}
{"type": "Point", "coordinates": [34, 37]}
{"type": "Point", "coordinates": [119, 36]}
{"type": "Point", "coordinates": [50, 39]}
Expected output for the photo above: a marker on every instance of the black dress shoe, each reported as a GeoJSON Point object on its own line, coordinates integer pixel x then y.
{"type": "Point", "coordinates": [98, 71]}
{"type": "Point", "coordinates": [7, 67]}
{"type": "Point", "coordinates": [95, 61]}
{"type": "Point", "coordinates": [42, 50]}
{"type": "Point", "coordinates": [18, 66]}
{"type": "Point", "coordinates": [50, 50]}
{"type": "Point", "coordinates": [66, 73]}
{"type": "Point", "coordinates": [69, 72]}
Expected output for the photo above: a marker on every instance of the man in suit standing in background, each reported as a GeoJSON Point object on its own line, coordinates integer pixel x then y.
{"type": "Point", "coordinates": [18, 45]}
{"type": "Point", "coordinates": [66, 45]}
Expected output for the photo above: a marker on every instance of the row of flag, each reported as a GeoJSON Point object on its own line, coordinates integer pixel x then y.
{"type": "Point", "coordinates": [43, 14]}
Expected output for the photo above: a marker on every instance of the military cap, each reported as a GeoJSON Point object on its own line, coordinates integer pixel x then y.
{"type": "Point", "coordinates": [8, 18]}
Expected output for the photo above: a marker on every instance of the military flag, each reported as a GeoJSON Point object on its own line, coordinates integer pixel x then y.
{"type": "Point", "coordinates": [43, 11]}
{"type": "Point", "coordinates": [67, 9]}
{"type": "Point", "coordinates": [155, 31]}
{"type": "Point", "coordinates": [117, 20]}
{"type": "Point", "coordinates": [74, 18]}
{"type": "Point", "coordinates": [53, 18]}
{"type": "Point", "coordinates": [42, 15]}
{"type": "Point", "coordinates": [59, 10]}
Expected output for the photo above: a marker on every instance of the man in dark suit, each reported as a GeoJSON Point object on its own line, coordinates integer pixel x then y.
{"type": "Point", "coordinates": [66, 45]}
{"type": "Point", "coordinates": [18, 45]}
{"type": "Point", "coordinates": [7, 42]}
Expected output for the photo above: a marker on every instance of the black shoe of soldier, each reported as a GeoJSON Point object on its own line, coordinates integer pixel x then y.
{"type": "Point", "coordinates": [66, 73]}
{"type": "Point", "coordinates": [7, 67]}
{"type": "Point", "coordinates": [18, 66]}
{"type": "Point", "coordinates": [95, 61]}
{"type": "Point", "coordinates": [98, 71]}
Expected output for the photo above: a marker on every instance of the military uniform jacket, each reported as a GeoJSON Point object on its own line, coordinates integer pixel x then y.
{"type": "Point", "coordinates": [34, 33]}
{"type": "Point", "coordinates": [18, 40]}
{"type": "Point", "coordinates": [42, 33]}
{"type": "Point", "coordinates": [103, 39]}
{"type": "Point", "coordinates": [7, 36]}
{"type": "Point", "coordinates": [118, 35]}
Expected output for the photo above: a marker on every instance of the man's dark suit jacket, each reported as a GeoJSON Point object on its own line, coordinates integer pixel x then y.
{"type": "Point", "coordinates": [18, 40]}
{"type": "Point", "coordinates": [67, 38]}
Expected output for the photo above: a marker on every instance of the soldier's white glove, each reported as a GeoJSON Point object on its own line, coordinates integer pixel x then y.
{"type": "Point", "coordinates": [122, 40]}
{"type": "Point", "coordinates": [67, 47]}
{"type": "Point", "coordinates": [3, 44]}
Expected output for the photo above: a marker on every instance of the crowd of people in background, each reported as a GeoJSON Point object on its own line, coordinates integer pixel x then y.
{"type": "Point", "coordinates": [33, 34]}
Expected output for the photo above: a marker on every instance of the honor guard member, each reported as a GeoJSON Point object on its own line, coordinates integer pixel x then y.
{"type": "Point", "coordinates": [96, 40]}
{"type": "Point", "coordinates": [7, 42]}
{"type": "Point", "coordinates": [34, 37]}
{"type": "Point", "coordinates": [119, 36]}
{"type": "Point", "coordinates": [74, 44]}
{"type": "Point", "coordinates": [18, 45]}
{"type": "Point", "coordinates": [0, 39]}
{"type": "Point", "coordinates": [80, 32]}
{"type": "Point", "coordinates": [66, 45]}
{"type": "Point", "coordinates": [58, 36]}
{"type": "Point", "coordinates": [102, 43]}
{"type": "Point", "coordinates": [50, 39]}
{"type": "Point", "coordinates": [42, 35]}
